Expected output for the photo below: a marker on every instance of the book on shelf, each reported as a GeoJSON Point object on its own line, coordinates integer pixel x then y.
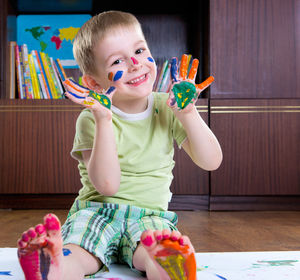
{"type": "Point", "coordinates": [36, 74]}
{"type": "Point", "coordinates": [11, 81]}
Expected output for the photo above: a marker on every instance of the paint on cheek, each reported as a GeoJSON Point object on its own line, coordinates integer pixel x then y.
{"type": "Point", "coordinates": [115, 77]}
{"type": "Point", "coordinates": [150, 59]}
{"type": "Point", "coordinates": [134, 60]}
{"type": "Point", "coordinates": [110, 76]}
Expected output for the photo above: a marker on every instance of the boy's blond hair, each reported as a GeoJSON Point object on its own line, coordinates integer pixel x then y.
{"type": "Point", "coordinates": [94, 30]}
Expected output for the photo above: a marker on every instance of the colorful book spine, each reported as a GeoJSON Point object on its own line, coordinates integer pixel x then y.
{"type": "Point", "coordinates": [61, 89]}
{"type": "Point", "coordinates": [61, 69]}
{"type": "Point", "coordinates": [53, 76]}
{"type": "Point", "coordinates": [19, 72]}
{"type": "Point", "coordinates": [26, 73]}
{"type": "Point", "coordinates": [166, 80]}
{"type": "Point", "coordinates": [48, 76]}
{"type": "Point", "coordinates": [162, 75]}
{"type": "Point", "coordinates": [12, 70]}
{"type": "Point", "coordinates": [34, 78]}
{"type": "Point", "coordinates": [43, 74]}
{"type": "Point", "coordinates": [39, 75]}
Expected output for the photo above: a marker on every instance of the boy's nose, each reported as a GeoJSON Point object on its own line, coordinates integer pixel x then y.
{"type": "Point", "coordinates": [134, 60]}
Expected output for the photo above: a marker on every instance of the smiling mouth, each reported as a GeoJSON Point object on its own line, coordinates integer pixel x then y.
{"type": "Point", "coordinates": [137, 81]}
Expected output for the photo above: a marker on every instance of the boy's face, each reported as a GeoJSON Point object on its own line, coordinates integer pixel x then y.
{"type": "Point", "coordinates": [123, 60]}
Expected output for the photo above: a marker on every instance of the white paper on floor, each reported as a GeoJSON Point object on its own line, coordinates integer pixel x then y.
{"type": "Point", "coordinates": [282, 265]}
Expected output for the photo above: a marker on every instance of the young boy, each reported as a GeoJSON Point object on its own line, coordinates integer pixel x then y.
{"type": "Point", "coordinates": [124, 144]}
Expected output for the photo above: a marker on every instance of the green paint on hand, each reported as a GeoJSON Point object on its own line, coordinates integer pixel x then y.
{"type": "Point", "coordinates": [101, 98]}
{"type": "Point", "coordinates": [185, 93]}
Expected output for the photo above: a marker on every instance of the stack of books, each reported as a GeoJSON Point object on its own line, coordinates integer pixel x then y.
{"type": "Point", "coordinates": [38, 76]}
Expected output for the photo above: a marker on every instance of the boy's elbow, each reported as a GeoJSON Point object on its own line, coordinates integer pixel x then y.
{"type": "Point", "coordinates": [215, 164]}
{"type": "Point", "coordinates": [211, 165]}
{"type": "Point", "coordinates": [108, 188]}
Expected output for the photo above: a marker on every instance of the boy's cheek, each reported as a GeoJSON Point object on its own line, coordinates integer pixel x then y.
{"type": "Point", "coordinates": [115, 76]}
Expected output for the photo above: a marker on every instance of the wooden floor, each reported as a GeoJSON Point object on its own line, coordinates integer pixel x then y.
{"type": "Point", "coordinates": [209, 231]}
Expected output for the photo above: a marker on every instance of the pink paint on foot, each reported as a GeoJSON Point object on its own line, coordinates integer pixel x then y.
{"type": "Point", "coordinates": [147, 241]}
{"type": "Point", "coordinates": [40, 250]}
{"type": "Point", "coordinates": [174, 257]}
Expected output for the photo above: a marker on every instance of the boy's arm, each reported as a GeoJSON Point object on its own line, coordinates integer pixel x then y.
{"type": "Point", "coordinates": [102, 161]}
{"type": "Point", "coordinates": [201, 144]}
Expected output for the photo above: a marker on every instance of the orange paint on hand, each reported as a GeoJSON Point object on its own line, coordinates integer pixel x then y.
{"type": "Point", "coordinates": [206, 83]}
{"type": "Point", "coordinates": [194, 69]}
{"type": "Point", "coordinates": [70, 84]}
{"type": "Point", "coordinates": [184, 66]}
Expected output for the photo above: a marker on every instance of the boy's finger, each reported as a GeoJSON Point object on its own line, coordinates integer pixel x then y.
{"type": "Point", "coordinates": [72, 97]}
{"type": "Point", "coordinates": [174, 69]}
{"type": "Point", "coordinates": [193, 70]}
{"type": "Point", "coordinates": [206, 83]}
{"type": "Point", "coordinates": [183, 66]}
{"type": "Point", "coordinates": [73, 85]}
{"type": "Point", "coordinates": [110, 91]}
{"type": "Point", "coordinates": [76, 95]}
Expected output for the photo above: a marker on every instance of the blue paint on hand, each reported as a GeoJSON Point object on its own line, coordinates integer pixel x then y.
{"type": "Point", "coordinates": [75, 95]}
{"type": "Point", "coordinates": [7, 273]}
{"type": "Point", "coordinates": [110, 90]}
{"type": "Point", "coordinates": [66, 252]}
{"type": "Point", "coordinates": [174, 69]}
{"type": "Point", "coordinates": [221, 277]}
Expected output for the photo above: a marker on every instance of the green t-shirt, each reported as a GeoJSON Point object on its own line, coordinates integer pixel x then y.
{"type": "Point", "coordinates": [145, 150]}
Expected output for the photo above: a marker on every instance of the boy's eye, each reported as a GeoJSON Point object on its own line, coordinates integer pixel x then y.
{"type": "Point", "coordinates": [138, 51]}
{"type": "Point", "coordinates": [118, 61]}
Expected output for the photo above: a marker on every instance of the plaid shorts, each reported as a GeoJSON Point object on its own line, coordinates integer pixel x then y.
{"type": "Point", "coordinates": [111, 232]}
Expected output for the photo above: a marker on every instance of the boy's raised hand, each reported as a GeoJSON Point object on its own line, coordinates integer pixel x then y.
{"type": "Point", "coordinates": [184, 92]}
{"type": "Point", "coordinates": [97, 102]}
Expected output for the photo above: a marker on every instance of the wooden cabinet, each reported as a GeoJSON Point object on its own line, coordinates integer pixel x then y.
{"type": "Point", "coordinates": [254, 103]}
{"type": "Point", "coordinates": [254, 49]}
{"type": "Point", "coordinates": [260, 141]}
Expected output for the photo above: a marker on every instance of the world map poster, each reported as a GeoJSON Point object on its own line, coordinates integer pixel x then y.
{"type": "Point", "coordinates": [53, 34]}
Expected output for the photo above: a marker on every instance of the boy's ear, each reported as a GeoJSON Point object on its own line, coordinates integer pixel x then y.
{"type": "Point", "coordinates": [91, 83]}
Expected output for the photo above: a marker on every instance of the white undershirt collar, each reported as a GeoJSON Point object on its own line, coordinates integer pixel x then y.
{"type": "Point", "coordinates": [135, 117]}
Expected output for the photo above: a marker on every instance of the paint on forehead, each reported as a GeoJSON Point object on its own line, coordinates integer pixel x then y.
{"type": "Point", "coordinates": [134, 60]}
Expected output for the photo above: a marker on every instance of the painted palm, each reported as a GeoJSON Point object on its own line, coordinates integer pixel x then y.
{"type": "Point", "coordinates": [184, 91]}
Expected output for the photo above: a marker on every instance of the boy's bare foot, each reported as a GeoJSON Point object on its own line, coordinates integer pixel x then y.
{"type": "Point", "coordinates": [172, 253]}
{"type": "Point", "coordinates": [40, 250]}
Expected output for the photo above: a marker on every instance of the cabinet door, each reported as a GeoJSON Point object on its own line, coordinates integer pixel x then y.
{"type": "Point", "coordinates": [260, 141]}
{"type": "Point", "coordinates": [36, 140]}
{"type": "Point", "coordinates": [254, 48]}
{"type": "Point", "coordinates": [191, 184]}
